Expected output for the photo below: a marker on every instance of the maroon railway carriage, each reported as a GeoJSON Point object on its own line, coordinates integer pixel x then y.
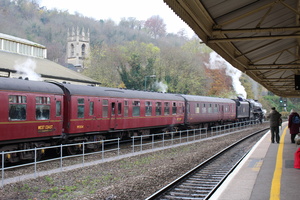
{"type": "Point", "coordinates": [37, 114]}
{"type": "Point", "coordinates": [31, 114]}
{"type": "Point", "coordinates": [208, 111]}
{"type": "Point", "coordinates": [110, 111]}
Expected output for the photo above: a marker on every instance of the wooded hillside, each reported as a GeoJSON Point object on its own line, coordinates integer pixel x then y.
{"type": "Point", "coordinates": [133, 54]}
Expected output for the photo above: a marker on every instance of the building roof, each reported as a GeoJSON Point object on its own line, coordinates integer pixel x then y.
{"type": "Point", "coordinates": [20, 40]}
{"type": "Point", "coordinates": [15, 65]}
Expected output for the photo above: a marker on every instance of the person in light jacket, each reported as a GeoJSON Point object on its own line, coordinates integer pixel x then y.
{"type": "Point", "coordinates": [274, 117]}
{"type": "Point", "coordinates": [293, 126]}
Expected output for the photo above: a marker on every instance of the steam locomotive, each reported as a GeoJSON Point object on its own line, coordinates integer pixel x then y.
{"type": "Point", "coordinates": [40, 114]}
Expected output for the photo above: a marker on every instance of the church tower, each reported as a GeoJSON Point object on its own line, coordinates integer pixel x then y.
{"type": "Point", "coordinates": [78, 47]}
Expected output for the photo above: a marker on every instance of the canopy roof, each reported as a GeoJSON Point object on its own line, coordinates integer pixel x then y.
{"type": "Point", "coordinates": [260, 38]}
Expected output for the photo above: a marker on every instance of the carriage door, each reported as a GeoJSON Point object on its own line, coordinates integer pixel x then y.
{"type": "Point", "coordinates": [59, 114]}
{"type": "Point", "coordinates": [113, 114]}
{"type": "Point", "coordinates": [222, 112]}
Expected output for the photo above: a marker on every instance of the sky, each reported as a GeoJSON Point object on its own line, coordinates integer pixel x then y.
{"type": "Point", "coordinates": [117, 9]}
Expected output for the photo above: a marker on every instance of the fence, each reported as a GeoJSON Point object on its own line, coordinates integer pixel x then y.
{"type": "Point", "coordinates": [167, 139]}
{"type": "Point", "coordinates": [141, 143]}
{"type": "Point", "coordinates": [61, 148]}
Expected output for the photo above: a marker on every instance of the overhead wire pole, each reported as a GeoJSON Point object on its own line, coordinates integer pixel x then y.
{"type": "Point", "coordinates": [150, 76]}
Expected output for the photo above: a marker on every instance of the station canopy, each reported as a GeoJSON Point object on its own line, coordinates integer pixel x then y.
{"type": "Point", "coordinates": [260, 38]}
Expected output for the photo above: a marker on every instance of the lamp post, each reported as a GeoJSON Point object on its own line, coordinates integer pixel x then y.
{"type": "Point", "coordinates": [150, 76]}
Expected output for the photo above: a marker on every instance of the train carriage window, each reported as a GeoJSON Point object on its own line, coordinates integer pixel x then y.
{"type": "Point", "coordinates": [226, 109]}
{"type": "Point", "coordinates": [167, 108]}
{"type": "Point", "coordinates": [126, 108]}
{"type": "Point", "coordinates": [119, 108]}
{"type": "Point", "coordinates": [113, 104]}
{"type": "Point", "coordinates": [210, 108]}
{"type": "Point", "coordinates": [58, 108]}
{"type": "Point", "coordinates": [216, 109]}
{"type": "Point", "coordinates": [105, 108]}
{"type": "Point", "coordinates": [42, 108]}
{"type": "Point", "coordinates": [181, 108]}
{"type": "Point", "coordinates": [17, 107]}
{"type": "Point", "coordinates": [158, 108]}
{"type": "Point", "coordinates": [80, 108]}
{"type": "Point", "coordinates": [197, 108]}
{"type": "Point", "coordinates": [136, 108]}
{"type": "Point", "coordinates": [148, 107]}
{"type": "Point", "coordinates": [91, 112]}
{"type": "Point", "coordinates": [174, 108]}
{"type": "Point", "coordinates": [204, 108]}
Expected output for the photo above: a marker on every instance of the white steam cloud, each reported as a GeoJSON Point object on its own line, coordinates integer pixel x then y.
{"type": "Point", "coordinates": [254, 88]}
{"type": "Point", "coordinates": [161, 87]}
{"type": "Point", "coordinates": [217, 62]}
{"type": "Point", "coordinates": [26, 69]}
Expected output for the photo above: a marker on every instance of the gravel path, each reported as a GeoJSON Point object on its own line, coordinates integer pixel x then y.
{"type": "Point", "coordinates": [131, 178]}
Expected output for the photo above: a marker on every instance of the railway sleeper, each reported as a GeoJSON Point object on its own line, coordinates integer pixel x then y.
{"type": "Point", "coordinates": [207, 181]}
{"type": "Point", "coordinates": [184, 186]}
{"type": "Point", "coordinates": [181, 195]}
{"type": "Point", "coordinates": [192, 190]}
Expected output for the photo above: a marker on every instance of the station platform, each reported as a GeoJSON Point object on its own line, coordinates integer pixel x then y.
{"type": "Point", "coordinates": [267, 172]}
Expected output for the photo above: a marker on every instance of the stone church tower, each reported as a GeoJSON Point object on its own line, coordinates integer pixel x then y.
{"type": "Point", "coordinates": [78, 47]}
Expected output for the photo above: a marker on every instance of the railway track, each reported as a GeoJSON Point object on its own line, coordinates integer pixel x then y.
{"type": "Point", "coordinates": [202, 181]}
{"type": "Point", "coordinates": [52, 162]}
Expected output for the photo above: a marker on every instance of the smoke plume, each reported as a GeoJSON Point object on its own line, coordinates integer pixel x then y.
{"type": "Point", "coordinates": [26, 69]}
{"type": "Point", "coordinates": [217, 62]}
{"type": "Point", "coordinates": [161, 87]}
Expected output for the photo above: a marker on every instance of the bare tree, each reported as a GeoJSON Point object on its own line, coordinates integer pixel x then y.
{"type": "Point", "coordinates": [155, 26]}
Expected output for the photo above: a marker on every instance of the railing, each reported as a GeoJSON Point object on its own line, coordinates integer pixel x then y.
{"type": "Point", "coordinates": [139, 144]}
{"type": "Point", "coordinates": [162, 140]}
{"type": "Point", "coordinates": [61, 148]}
{"type": "Point", "coordinates": [232, 127]}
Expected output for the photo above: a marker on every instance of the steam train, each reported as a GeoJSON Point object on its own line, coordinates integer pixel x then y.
{"type": "Point", "coordinates": [40, 114]}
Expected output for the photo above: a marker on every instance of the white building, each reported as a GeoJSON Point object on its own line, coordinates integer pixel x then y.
{"type": "Point", "coordinates": [23, 58]}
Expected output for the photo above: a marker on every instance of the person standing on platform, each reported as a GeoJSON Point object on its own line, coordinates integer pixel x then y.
{"type": "Point", "coordinates": [294, 124]}
{"type": "Point", "coordinates": [274, 117]}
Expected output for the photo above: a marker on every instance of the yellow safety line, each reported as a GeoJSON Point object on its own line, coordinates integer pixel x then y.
{"type": "Point", "coordinates": [275, 188]}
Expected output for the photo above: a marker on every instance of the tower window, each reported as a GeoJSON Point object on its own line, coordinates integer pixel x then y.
{"type": "Point", "coordinates": [72, 50]}
{"type": "Point", "coordinates": [83, 50]}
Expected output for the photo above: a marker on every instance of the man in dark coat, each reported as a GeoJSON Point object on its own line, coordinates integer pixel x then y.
{"type": "Point", "coordinates": [293, 125]}
{"type": "Point", "coordinates": [274, 117]}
